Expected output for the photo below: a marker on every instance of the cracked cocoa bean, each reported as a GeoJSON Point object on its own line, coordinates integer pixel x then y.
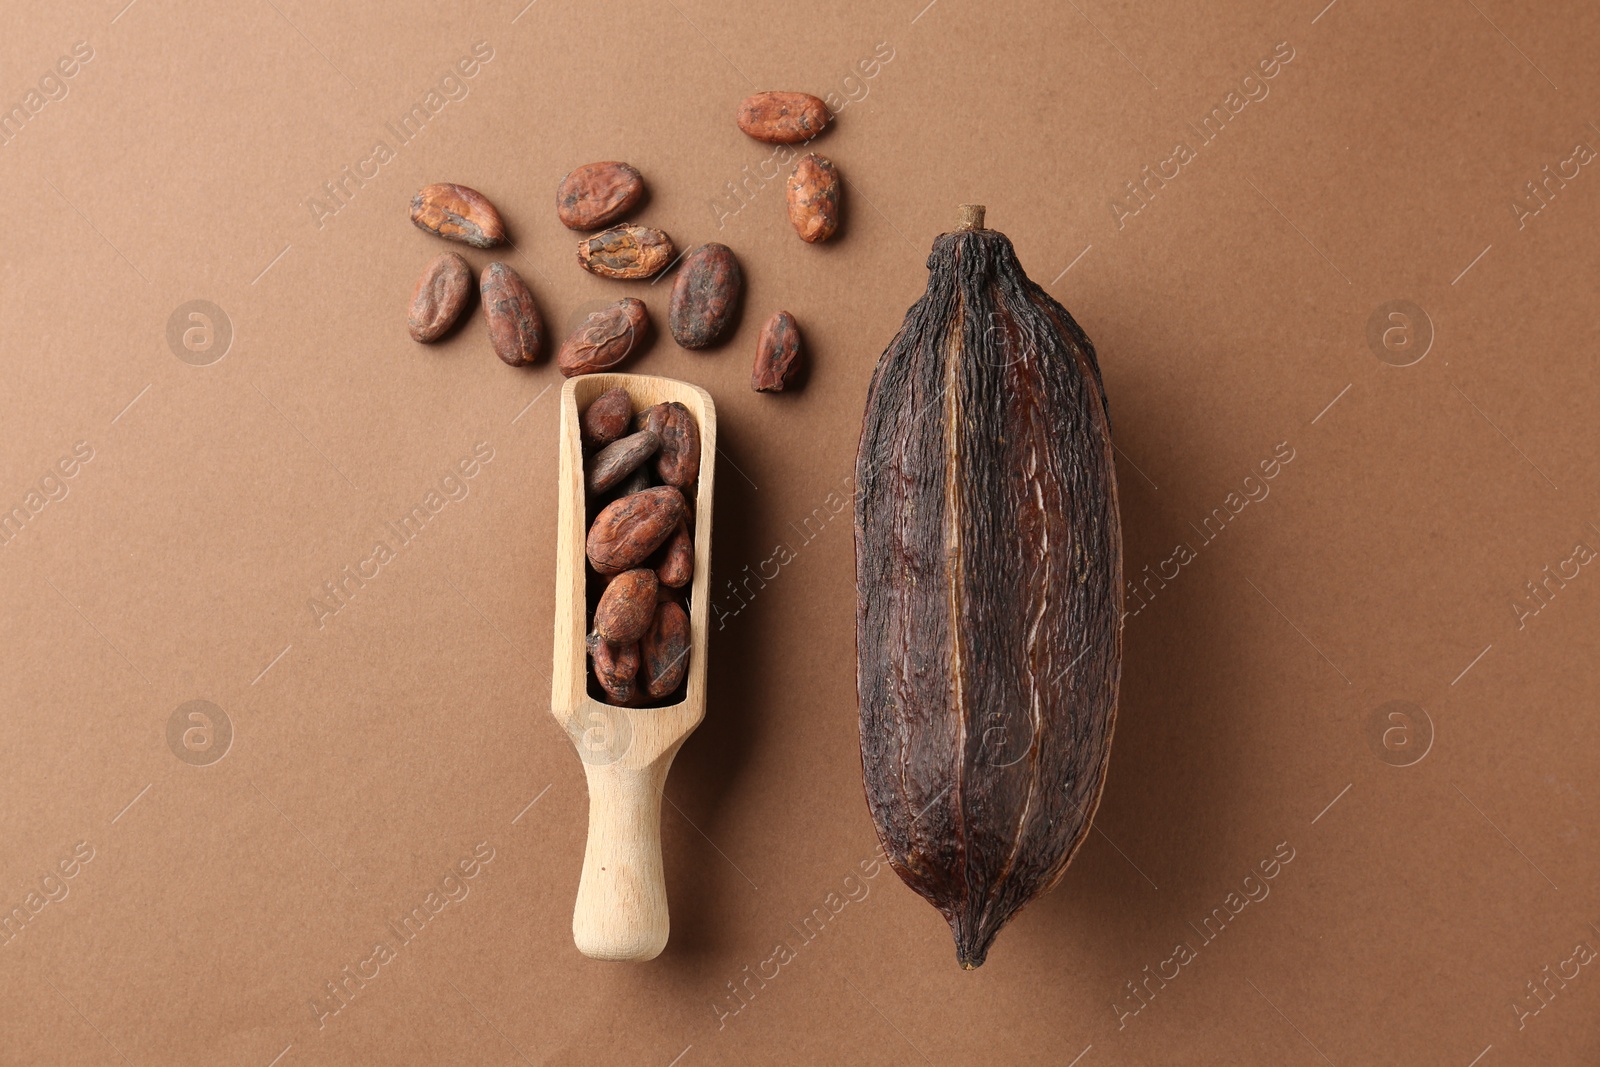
{"type": "Point", "coordinates": [440, 297]}
{"type": "Point", "coordinates": [626, 252]}
{"type": "Point", "coordinates": [458, 213]}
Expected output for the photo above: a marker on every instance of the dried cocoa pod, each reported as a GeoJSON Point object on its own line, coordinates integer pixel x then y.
{"type": "Point", "coordinates": [814, 198]}
{"type": "Point", "coordinates": [605, 339]}
{"type": "Point", "coordinates": [515, 329]}
{"type": "Point", "coordinates": [778, 355]}
{"type": "Point", "coordinates": [705, 295]}
{"type": "Point", "coordinates": [627, 606]}
{"type": "Point", "coordinates": [440, 297]}
{"type": "Point", "coordinates": [677, 560]}
{"type": "Point", "coordinates": [619, 459]}
{"type": "Point", "coordinates": [459, 214]}
{"type": "Point", "coordinates": [628, 530]}
{"type": "Point", "coordinates": [607, 417]}
{"type": "Point", "coordinates": [678, 462]}
{"type": "Point", "coordinates": [664, 650]}
{"type": "Point", "coordinates": [626, 252]}
{"type": "Point", "coordinates": [783, 118]}
{"type": "Point", "coordinates": [598, 194]}
{"type": "Point", "coordinates": [616, 667]}
{"type": "Point", "coordinates": [989, 584]}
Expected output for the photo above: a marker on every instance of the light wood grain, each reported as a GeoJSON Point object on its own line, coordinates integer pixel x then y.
{"type": "Point", "coordinates": [621, 911]}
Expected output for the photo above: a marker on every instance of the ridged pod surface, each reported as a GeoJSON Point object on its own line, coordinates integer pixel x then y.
{"type": "Point", "coordinates": [989, 583]}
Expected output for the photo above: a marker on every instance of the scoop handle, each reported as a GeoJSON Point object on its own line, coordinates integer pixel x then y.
{"type": "Point", "coordinates": [621, 913]}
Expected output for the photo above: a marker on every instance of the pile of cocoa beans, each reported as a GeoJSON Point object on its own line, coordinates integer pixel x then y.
{"type": "Point", "coordinates": [640, 472]}
{"type": "Point", "coordinates": [706, 294]}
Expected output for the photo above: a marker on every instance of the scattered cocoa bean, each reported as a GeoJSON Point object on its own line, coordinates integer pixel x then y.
{"type": "Point", "coordinates": [627, 606]}
{"type": "Point", "coordinates": [814, 198]}
{"type": "Point", "coordinates": [664, 650]}
{"type": "Point", "coordinates": [459, 214]}
{"type": "Point", "coordinates": [783, 118]}
{"type": "Point", "coordinates": [605, 339]}
{"type": "Point", "coordinates": [617, 669]}
{"type": "Point", "coordinates": [628, 530]}
{"type": "Point", "coordinates": [626, 252]}
{"type": "Point", "coordinates": [705, 295]}
{"type": "Point", "coordinates": [607, 417]}
{"type": "Point", "coordinates": [778, 355]}
{"type": "Point", "coordinates": [440, 297]}
{"type": "Point", "coordinates": [598, 194]}
{"type": "Point", "coordinates": [621, 458]}
{"type": "Point", "coordinates": [677, 562]}
{"type": "Point", "coordinates": [515, 329]}
{"type": "Point", "coordinates": [678, 462]}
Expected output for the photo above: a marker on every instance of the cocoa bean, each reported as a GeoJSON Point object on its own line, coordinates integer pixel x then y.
{"type": "Point", "coordinates": [598, 194]}
{"type": "Point", "coordinates": [626, 252]}
{"type": "Point", "coordinates": [607, 417]}
{"type": "Point", "coordinates": [627, 606]}
{"type": "Point", "coordinates": [620, 458]}
{"type": "Point", "coordinates": [605, 339]}
{"type": "Point", "coordinates": [778, 355]}
{"type": "Point", "coordinates": [616, 667]}
{"type": "Point", "coordinates": [705, 295]}
{"type": "Point", "coordinates": [677, 562]}
{"type": "Point", "coordinates": [628, 530]}
{"type": "Point", "coordinates": [814, 198]}
{"type": "Point", "coordinates": [515, 329]}
{"type": "Point", "coordinates": [459, 214]}
{"type": "Point", "coordinates": [782, 117]}
{"type": "Point", "coordinates": [664, 650]}
{"type": "Point", "coordinates": [640, 480]}
{"type": "Point", "coordinates": [678, 462]}
{"type": "Point", "coordinates": [440, 297]}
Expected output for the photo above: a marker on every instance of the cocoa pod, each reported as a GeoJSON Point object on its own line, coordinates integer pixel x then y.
{"type": "Point", "coordinates": [814, 198]}
{"type": "Point", "coordinates": [627, 606]}
{"type": "Point", "coordinates": [782, 117]}
{"type": "Point", "coordinates": [705, 295]}
{"type": "Point", "coordinates": [664, 650]}
{"type": "Point", "coordinates": [440, 297]}
{"type": "Point", "coordinates": [678, 462]}
{"type": "Point", "coordinates": [619, 459]}
{"type": "Point", "coordinates": [459, 214]}
{"type": "Point", "coordinates": [616, 667]}
{"type": "Point", "coordinates": [626, 252]}
{"type": "Point", "coordinates": [515, 329]}
{"type": "Point", "coordinates": [778, 355]}
{"type": "Point", "coordinates": [607, 417]}
{"type": "Point", "coordinates": [598, 194]}
{"type": "Point", "coordinates": [605, 338]}
{"type": "Point", "coordinates": [677, 559]}
{"type": "Point", "coordinates": [989, 584]}
{"type": "Point", "coordinates": [628, 530]}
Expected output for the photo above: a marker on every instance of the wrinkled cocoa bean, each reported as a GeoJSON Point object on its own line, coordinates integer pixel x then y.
{"type": "Point", "coordinates": [678, 462]}
{"type": "Point", "coordinates": [440, 297]}
{"type": "Point", "coordinates": [607, 417]}
{"type": "Point", "coordinates": [705, 295]}
{"type": "Point", "coordinates": [783, 118]}
{"type": "Point", "coordinates": [515, 329]}
{"type": "Point", "coordinates": [641, 479]}
{"type": "Point", "coordinates": [459, 214]}
{"type": "Point", "coordinates": [626, 252]}
{"type": "Point", "coordinates": [677, 562]}
{"type": "Point", "coordinates": [778, 355]}
{"type": "Point", "coordinates": [628, 530]}
{"type": "Point", "coordinates": [616, 667]}
{"type": "Point", "coordinates": [598, 194]}
{"type": "Point", "coordinates": [814, 198]}
{"type": "Point", "coordinates": [627, 606]}
{"type": "Point", "coordinates": [620, 458]}
{"type": "Point", "coordinates": [664, 650]}
{"type": "Point", "coordinates": [605, 339]}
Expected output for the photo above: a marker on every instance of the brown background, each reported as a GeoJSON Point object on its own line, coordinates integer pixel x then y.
{"type": "Point", "coordinates": [372, 753]}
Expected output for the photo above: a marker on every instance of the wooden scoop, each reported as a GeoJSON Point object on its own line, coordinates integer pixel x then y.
{"type": "Point", "coordinates": [621, 913]}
